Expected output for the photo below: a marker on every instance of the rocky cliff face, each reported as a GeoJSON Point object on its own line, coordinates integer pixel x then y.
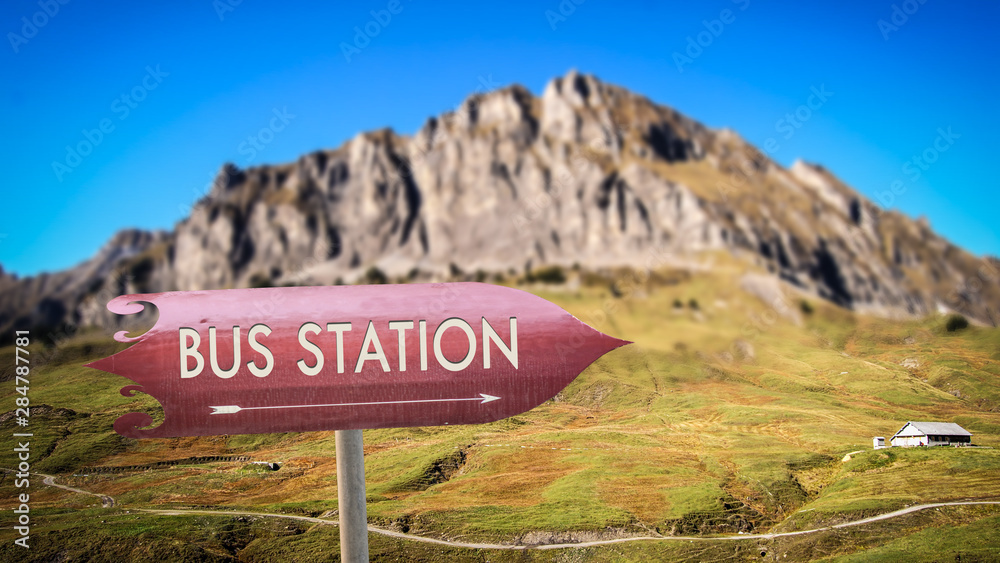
{"type": "Point", "coordinates": [587, 173]}
{"type": "Point", "coordinates": [51, 301]}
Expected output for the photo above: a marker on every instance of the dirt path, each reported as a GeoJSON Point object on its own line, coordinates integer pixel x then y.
{"type": "Point", "coordinates": [109, 502]}
{"type": "Point", "coordinates": [106, 501]}
{"type": "Point", "coordinates": [411, 537]}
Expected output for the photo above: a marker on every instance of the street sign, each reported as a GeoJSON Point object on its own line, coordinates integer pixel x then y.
{"type": "Point", "coordinates": [249, 361]}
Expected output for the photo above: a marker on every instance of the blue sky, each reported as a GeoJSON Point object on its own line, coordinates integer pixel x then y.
{"type": "Point", "coordinates": [180, 86]}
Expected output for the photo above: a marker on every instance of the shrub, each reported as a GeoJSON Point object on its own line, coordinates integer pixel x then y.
{"type": "Point", "coordinates": [615, 292]}
{"type": "Point", "coordinates": [375, 276]}
{"type": "Point", "coordinates": [141, 269]}
{"type": "Point", "coordinates": [805, 307]}
{"type": "Point", "coordinates": [693, 303]}
{"type": "Point", "coordinates": [260, 280]}
{"type": "Point", "coordinates": [956, 322]}
{"type": "Point", "coordinates": [550, 274]}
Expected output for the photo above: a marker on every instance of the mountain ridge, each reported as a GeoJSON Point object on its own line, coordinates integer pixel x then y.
{"type": "Point", "coordinates": [586, 173]}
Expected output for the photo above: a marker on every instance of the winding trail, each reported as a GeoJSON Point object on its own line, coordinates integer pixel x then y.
{"type": "Point", "coordinates": [50, 480]}
{"type": "Point", "coordinates": [411, 537]}
{"type": "Point", "coordinates": [109, 502]}
{"type": "Point", "coordinates": [106, 501]}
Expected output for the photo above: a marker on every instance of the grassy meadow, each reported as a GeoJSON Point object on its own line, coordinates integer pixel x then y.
{"type": "Point", "coordinates": [728, 414]}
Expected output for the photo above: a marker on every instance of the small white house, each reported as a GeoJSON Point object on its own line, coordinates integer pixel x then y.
{"type": "Point", "coordinates": [931, 434]}
{"type": "Point", "coordinates": [878, 442]}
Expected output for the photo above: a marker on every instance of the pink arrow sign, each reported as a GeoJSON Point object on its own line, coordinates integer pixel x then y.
{"type": "Point", "coordinates": [248, 361]}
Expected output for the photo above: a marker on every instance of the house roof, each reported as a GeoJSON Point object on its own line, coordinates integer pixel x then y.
{"type": "Point", "coordinates": [933, 429]}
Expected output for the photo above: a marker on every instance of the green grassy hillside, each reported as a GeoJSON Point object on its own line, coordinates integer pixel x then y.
{"type": "Point", "coordinates": [729, 414]}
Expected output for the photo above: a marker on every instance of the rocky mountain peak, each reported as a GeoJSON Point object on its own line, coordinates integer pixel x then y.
{"type": "Point", "coordinates": [586, 173]}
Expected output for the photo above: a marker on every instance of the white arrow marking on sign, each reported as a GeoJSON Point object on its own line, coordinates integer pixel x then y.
{"type": "Point", "coordinates": [483, 398]}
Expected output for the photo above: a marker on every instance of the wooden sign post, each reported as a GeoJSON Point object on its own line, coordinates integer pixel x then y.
{"type": "Point", "coordinates": [347, 358]}
{"type": "Point", "coordinates": [351, 507]}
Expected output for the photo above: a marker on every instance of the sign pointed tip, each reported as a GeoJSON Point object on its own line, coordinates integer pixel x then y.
{"type": "Point", "coordinates": [612, 343]}
{"type": "Point", "coordinates": [103, 364]}
{"type": "Point", "coordinates": [488, 398]}
{"type": "Point", "coordinates": [599, 339]}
